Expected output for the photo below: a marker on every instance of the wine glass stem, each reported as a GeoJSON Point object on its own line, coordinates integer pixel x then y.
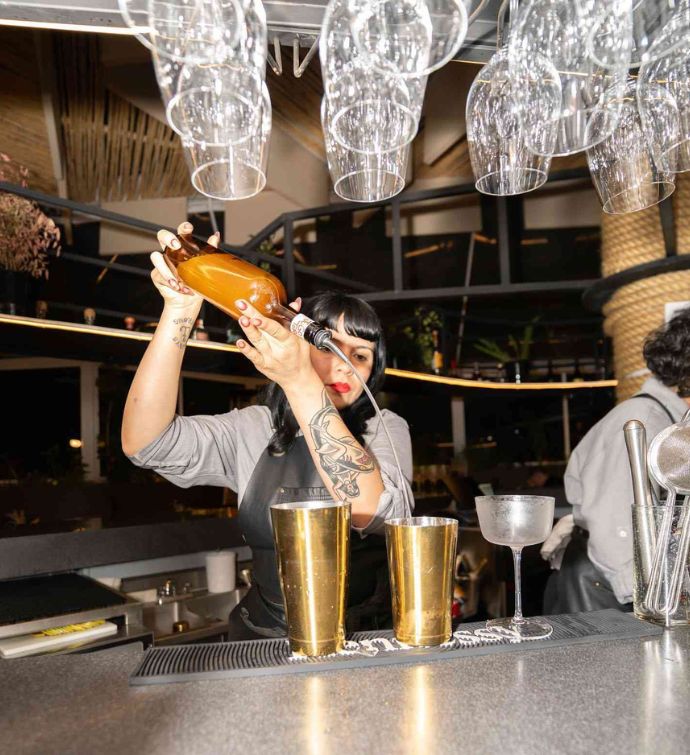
{"type": "Point", "coordinates": [517, 557]}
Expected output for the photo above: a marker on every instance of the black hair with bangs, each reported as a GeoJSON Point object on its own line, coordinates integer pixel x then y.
{"type": "Point", "coordinates": [361, 321]}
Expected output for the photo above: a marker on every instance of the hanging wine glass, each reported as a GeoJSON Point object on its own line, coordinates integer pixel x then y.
{"type": "Point", "coordinates": [186, 31]}
{"type": "Point", "coordinates": [503, 161]}
{"type": "Point", "coordinates": [410, 37]}
{"type": "Point", "coordinates": [251, 48]}
{"type": "Point", "coordinates": [631, 168]}
{"type": "Point", "coordinates": [363, 178]}
{"type": "Point", "coordinates": [371, 111]}
{"type": "Point", "coordinates": [374, 114]}
{"type": "Point", "coordinates": [558, 30]}
{"type": "Point", "coordinates": [671, 71]}
{"type": "Point", "coordinates": [217, 104]}
{"type": "Point", "coordinates": [645, 20]}
{"type": "Point", "coordinates": [232, 172]}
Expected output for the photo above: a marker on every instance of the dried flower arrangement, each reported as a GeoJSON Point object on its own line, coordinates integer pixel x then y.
{"type": "Point", "coordinates": [27, 235]}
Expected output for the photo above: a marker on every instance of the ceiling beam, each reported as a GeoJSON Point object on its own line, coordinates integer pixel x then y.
{"type": "Point", "coordinates": [494, 289]}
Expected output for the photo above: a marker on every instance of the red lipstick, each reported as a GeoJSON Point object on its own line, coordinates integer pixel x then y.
{"type": "Point", "coordinates": [340, 387]}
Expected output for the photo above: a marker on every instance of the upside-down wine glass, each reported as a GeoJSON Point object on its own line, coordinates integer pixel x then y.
{"type": "Point", "coordinates": [644, 20]}
{"type": "Point", "coordinates": [196, 32]}
{"type": "Point", "coordinates": [372, 112]}
{"type": "Point", "coordinates": [411, 37]}
{"type": "Point", "coordinates": [363, 178]}
{"type": "Point", "coordinates": [633, 167]}
{"type": "Point", "coordinates": [517, 521]}
{"type": "Point", "coordinates": [669, 68]}
{"type": "Point", "coordinates": [558, 30]}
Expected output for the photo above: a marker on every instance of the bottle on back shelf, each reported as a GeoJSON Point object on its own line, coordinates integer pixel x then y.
{"type": "Point", "coordinates": [200, 333]}
{"type": "Point", "coordinates": [437, 356]}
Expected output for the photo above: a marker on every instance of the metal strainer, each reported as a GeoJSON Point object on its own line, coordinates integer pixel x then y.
{"type": "Point", "coordinates": [669, 465]}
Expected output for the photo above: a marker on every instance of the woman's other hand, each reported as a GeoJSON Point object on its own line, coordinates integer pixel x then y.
{"type": "Point", "coordinates": [174, 292]}
{"type": "Point", "coordinates": [276, 352]}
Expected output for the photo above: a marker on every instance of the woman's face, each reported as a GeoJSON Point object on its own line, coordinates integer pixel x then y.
{"type": "Point", "coordinates": [342, 385]}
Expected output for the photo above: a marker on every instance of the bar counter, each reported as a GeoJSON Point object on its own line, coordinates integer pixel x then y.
{"type": "Point", "coordinates": [628, 696]}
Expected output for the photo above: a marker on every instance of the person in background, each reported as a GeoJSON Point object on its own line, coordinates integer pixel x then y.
{"type": "Point", "coordinates": [462, 486]}
{"type": "Point", "coordinates": [315, 436]}
{"type": "Point", "coordinates": [540, 478]}
{"type": "Point", "coordinates": [596, 571]}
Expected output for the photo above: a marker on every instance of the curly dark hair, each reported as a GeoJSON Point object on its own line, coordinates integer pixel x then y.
{"type": "Point", "coordinates": [667, 353]}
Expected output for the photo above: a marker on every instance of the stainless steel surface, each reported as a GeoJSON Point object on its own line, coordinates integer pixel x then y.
{"type": "Point", "coordinates": [204, 614]}
{"type": "Point", "coordinates": [169, 588]}
{"type": "Point", "coordinates": [607, 698]}
{"type": "Point", "coordinates": [287, 19]}
{"type": "Point", "coordinates": [636, 443]}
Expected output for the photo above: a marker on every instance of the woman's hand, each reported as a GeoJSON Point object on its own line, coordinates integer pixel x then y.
{"type": "Point", "coordinates": [276, 352]}
{"type": "Point", "coordinates": [174, 292]}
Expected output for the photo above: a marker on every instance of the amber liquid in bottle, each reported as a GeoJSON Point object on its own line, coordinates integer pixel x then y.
{"type": "Point", "coordinates": [222, 279]}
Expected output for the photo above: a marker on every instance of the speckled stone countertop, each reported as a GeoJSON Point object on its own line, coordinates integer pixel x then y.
{"type": "Point", "coordinates": [628, 696]}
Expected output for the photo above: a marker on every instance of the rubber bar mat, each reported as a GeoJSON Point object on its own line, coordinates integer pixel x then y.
{"type": "Point", "coordinates": [272, 656]}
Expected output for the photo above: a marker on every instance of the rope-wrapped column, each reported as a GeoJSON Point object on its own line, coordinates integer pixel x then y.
{"type": "Point", "coordinates": [638, 308]}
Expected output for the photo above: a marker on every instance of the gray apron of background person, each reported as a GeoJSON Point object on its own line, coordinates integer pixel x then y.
{"type": "Point", "coordinates": [285, 479]}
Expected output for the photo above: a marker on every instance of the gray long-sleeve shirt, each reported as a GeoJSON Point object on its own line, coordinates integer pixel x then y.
{"type": "Point", "coordinates": [223, 450]}
{"type": "Point", "coordinates": [599, 485]}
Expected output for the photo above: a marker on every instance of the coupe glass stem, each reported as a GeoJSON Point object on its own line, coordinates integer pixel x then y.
{"type": "Point", "coordinates": [517, 557]}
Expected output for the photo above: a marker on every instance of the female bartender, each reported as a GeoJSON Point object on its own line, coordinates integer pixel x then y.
{"type": "Point", "coordinates": [315, 436]}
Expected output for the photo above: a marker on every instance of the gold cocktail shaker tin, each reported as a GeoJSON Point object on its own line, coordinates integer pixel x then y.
{"type": "Point", "coordinates": [421, 557]}
{"type": "Point", "coordinates": [312, 540]}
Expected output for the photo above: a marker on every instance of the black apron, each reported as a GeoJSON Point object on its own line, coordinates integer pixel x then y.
{"type": "Point", "coordinates": [285, 479]}
{"type": "Point", "coordinates": [578, 585]}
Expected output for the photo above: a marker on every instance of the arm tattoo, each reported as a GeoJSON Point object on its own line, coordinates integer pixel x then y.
{"type": "Point", "coordinates": [185, 327]}
{"type": "Point", "coordinates": [342, 459]}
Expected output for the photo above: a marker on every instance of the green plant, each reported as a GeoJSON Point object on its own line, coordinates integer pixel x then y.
{"type": "Point", "coordinates": [268, 247]}
{"type": "Point", "coordinates": [492, 349]}
{"type": "Point", "coordinates": [519, 348]}
{"type": "Point", "coordinates": [27, 234]}
{"type": "Point", "coordinates": [419, 334]}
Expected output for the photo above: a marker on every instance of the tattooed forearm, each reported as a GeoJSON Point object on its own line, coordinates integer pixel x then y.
{"type": "Point", "coordinates": [184, 325]}
{"type": "Point", "coordinates": [342, 459]}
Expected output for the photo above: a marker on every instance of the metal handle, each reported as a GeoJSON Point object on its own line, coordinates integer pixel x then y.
{"type": "Point", "coordinates": [636, 443]}
{"type": "Point", "coordinates": [681, 561]}
{"type": "Point", "coordinates": [654, 599]}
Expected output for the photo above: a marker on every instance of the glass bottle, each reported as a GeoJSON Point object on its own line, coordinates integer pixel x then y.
{"type": "Point", "coordinates": [437, 356]}
{"type": "Point", "coordinates": [200, 333]}
{"type": "Point", "coordinates": [550, 374]}
{"type": "Point", "coordinates": [578, 377]}
{"type": "Point", "coordinates": [222, 279]}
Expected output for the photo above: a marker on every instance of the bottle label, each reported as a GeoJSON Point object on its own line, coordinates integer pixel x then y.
{"type": "Point", "coordinates": [299, 325]}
